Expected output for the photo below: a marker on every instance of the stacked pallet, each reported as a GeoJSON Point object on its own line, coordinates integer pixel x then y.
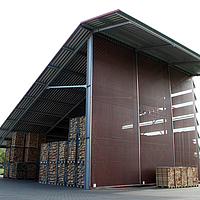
{"type": "Point", "coordinates": [7, 158]}
{"type": "Point", "coordinates": [44, 157]}
{"type": "Point", "coordinates": [18, 170]}
{"type": "Point", "coordinates": [176, 177]}
{"type": "Point", "coordinates": [62, 155]}
{"type": "Point", "coordinates": [52, 168]}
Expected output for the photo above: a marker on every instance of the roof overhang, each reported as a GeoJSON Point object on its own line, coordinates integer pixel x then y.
{"type": "Point", "coordinates": [41, 110]}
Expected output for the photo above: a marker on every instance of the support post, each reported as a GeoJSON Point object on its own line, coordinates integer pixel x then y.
{"type": "Point", "coordinates": [138, 119]}
{"type": "Point", "coordinates": [88, 113]}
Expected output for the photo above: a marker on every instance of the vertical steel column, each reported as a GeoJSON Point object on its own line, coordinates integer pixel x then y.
{"type": "Point", "coordinates": [171, 115]}
{"type": "Point", "coordinates": [138, 118]}
{"type": "Point", "coordinates": [88, 112]}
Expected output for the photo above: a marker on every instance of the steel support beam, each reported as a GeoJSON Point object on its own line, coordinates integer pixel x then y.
{"type": "Point", "coordinates": [88, 113]}
{"type": "Point", "coordinates": [68, 86]}
{"type": "Point", "coordinates": [185, 63]}
{"type": "Point", "coordinates": [154, 47]}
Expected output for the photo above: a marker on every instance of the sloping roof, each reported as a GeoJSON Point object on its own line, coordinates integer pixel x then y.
{"type": "Point", "coordinates": [42, 110]}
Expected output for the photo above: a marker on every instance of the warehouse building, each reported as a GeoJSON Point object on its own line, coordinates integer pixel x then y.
{"type": "Point", "coordinates": [133, 84]}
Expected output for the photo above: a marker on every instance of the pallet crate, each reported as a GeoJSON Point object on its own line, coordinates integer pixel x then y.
{"type": "Point", "coordinates": [52, 173]}
{"type": "Point", "coordinates": [71, 174]}
{"type": "Point", "coordinates": [80, 175]}
{"type": "Point", "coordinates": [31, 140]}
{"type": "Point", "coordinates": [72, 151]}
{"type": "Point", "coordinates": [7, 155]}
{"type": "Point", "coordinates": [19, 170]}
{"type": "Point", "coordinates": [190, 176]}
{"type": "Point", "coordinates": [53, 152]}
{"type": "Point", "coordinates": [31, 154]}
{"type": "Point", "coordinates": [18, 140]}
{"type": "Point", "coordinates": [61, 173]}
{"type": "Point", "coordinates": [195, 176]}
{"type": "Point", "coordinates": [16, 154]}
{"type": "Point", "coordinates": [31, 170]}
{"type": "Point", "coordinates": [73, 128]}
{"type": "Point", "coordinates": [8, 143]}
{"type": "Point", "coordinates": [44, 153]}
{"type": "Point", "coordinates": [43, 173]}
{"type": "Point", "coordinates": [165, 177]}
{"type": "Point", "coordinates": [10, 173]}
{"type": "Point", "coordinates": [6, 170]}
{"type": "Point", "coordinates": [62, 151]}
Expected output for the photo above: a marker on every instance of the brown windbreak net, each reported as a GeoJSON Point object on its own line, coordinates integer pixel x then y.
{"type": "Point", "coordinates": [130, 138]}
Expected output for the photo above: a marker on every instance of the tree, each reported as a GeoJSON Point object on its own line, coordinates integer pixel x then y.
{"type": "Point", "coordinates": [2, 155]}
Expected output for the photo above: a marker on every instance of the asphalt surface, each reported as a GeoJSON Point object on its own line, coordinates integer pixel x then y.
{"type": "Point", "coordinates": [31, 189]}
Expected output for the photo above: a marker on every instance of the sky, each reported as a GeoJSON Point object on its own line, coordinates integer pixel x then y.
{"type": "Point", "coordinates": [32, 32]}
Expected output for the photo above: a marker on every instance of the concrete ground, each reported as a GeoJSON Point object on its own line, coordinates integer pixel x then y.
{"type": "Point", "coordinates": [31, 189]}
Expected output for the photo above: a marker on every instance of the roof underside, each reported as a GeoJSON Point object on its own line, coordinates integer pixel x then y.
{"type": "Point", "coordinates": [47, 111]}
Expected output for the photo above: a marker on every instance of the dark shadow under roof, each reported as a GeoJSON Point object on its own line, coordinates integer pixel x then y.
{"type": "Point", "coordinates": [47, 112]}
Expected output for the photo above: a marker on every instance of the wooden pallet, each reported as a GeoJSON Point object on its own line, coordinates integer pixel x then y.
{"type": "Point", "coordinates": [16, 154]}
{"type": "Point", "coordinates": [31, 140]}
{"type": "Point", "coordinates": [53, 151]}
{"type": "Point", "coordinates": [52, 173]}
{"type": "Point", "coordinates": [31, 170]}
{"type": "Point", "coordinates": [31, 155]}
{"type": "Point", "coordinates": [44, 152]}
{"type": "Point", "coordinates": [43, 173]}
{"type": "Point", "coordinates": [18, 139]}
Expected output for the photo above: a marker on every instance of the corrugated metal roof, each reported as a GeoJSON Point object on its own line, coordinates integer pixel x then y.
{"type": "Point", "coordinates": [41, 110]}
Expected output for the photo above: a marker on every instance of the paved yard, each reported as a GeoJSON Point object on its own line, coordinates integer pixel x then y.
{"type": "Point", "coordinates": [30, 189]}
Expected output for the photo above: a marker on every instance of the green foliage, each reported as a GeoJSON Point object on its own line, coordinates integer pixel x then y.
{"type": "Point", "coordinates": [1, 171]}
{"type": "Point", "coordinates": [2, 155]}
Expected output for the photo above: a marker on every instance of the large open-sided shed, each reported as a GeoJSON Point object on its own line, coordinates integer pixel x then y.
{"type": "Point", "coordinates": [133, 84]}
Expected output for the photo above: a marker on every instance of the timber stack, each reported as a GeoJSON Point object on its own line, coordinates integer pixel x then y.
{"type": "Point", "coordinates": [176, 177]}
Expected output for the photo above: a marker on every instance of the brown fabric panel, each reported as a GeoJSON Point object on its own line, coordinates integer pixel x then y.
{"type": "Point", "coordinates": [114, 152]}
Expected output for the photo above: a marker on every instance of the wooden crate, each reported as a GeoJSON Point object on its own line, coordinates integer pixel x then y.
{"type": "Point", "coordinates": [31, 155]}
{"type": "Point", "coordinates": [10, 173]}
{"type": "Point", "coordinates": [31, 140]}
{"type": "Point", "coordinates": [7, 155]}
{"type": "Point", "coordinates": [44, 152]}
{"type": "Point", "coordinates": [53, 152]}
{"type": "Point", "coordinates": [18, 139]}
{"type": "Point", "coordinates": [43, 173]}
{"type": "Point", "coordinates": [184, 176]}
{"type": "Point", "coordinates": [16, 154]}
{"type": "Point", "coordinates": [81, 150]}
{"type": "Point", "coordinates": [71, 174]}
{"type": "Point", "coordinates": [73, 128]}
{"type": "Point", "coordinates": [52, 173]}
{"type": "Point", "coordinates": [61, 174]}
{"type": "Point", "coordinates": [62, 148]}
{"type": "Point", "coordinates": [19, 170]}
{"type": "Point", "coordinates": [82, 127]}
{"type": "Point", "coordinates": [41, 140]}
{"type": "Point", "coordinates": [195, 176]}
{"type": "Point", "coordinates": [80, 174]}
{"type": "Point", "coordinates": [165, 177]}
{"type": "Point", "coordinates": [31, 170]}
{"type": "Point", "coordinates": [72, 150]}
{"type": "Point", "coordinates": [6, 170]}
{"type": "Point", "coordinates": [178, 178]}
{"type": "Point", "coordinates": [190, 176]}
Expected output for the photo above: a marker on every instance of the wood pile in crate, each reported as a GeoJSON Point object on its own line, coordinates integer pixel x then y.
{"type": "Point", "coordinates": [10, 173]}
{"type": "Point", "coordinates": [43, 173]}
{"type": "Point", "coordinates": [31, 155]}
{"type": "Point", "coordinates": [19, 170]}
{"type": "Point", "coordinates": [52, 173]}
{"type": "Point", "coordinates": [16, 154]}
{"type": "Point", "coordinates": [176, 177]}
{"type": "Point", "coordinates": [71, 151]}
{"type": "Point", "coordinates": [7, 155]}
{"type": "Point", "coordinates": [73, 128]}
{"type": "Point", "coordinates": [61, 173]}
{"type": "Point", "coordinates": [71, 174]}
{"type": "Point", "coordinates": [31, 140]}
{"type": "Point", "coordinates": [6, 170]}
{"type": "Point", "coordinates": [53, 152]}
{"type": "Point", "coordinates": [62, 151]}
{"type": "Point", "coordinates": [80, 174]}
{"type": "Point", "coordinates": [44, 153]}
{"type": "Point", "coordinates": [18, 140]}
{"type": "Point", "coordinates": [31, 170]}
{"type": "Point", "coordinates": [82, 127]}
